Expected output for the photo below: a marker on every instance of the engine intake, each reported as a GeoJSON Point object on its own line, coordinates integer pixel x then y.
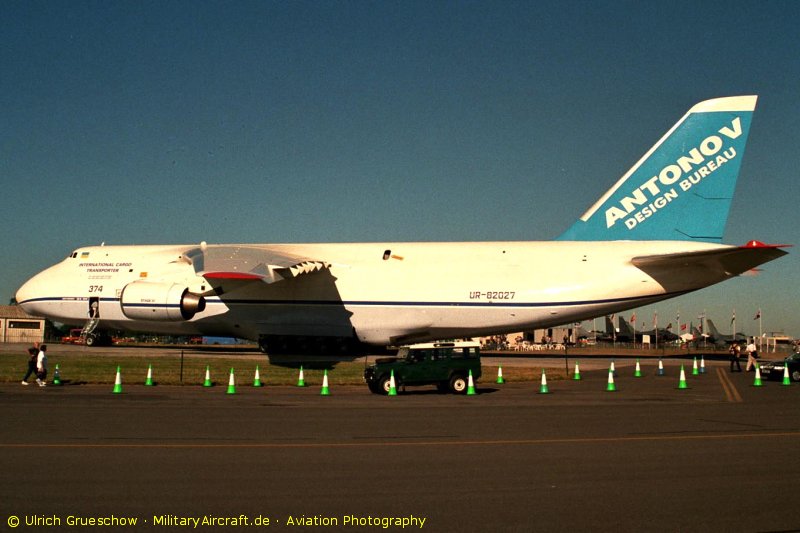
{"type": "Point", "coordinates": [160, 301]}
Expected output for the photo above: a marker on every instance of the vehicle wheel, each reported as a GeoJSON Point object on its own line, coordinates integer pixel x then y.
{"type": "Point", "coordinates": [90, 340]}
{"type": "Point", "coordinates": [458, 384]}
{"type": "Point", "coordinates": [385, 384]}
{"type": "Point", "coordinates": [796, 375]}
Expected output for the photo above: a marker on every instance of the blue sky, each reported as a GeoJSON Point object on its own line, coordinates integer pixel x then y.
{"type": "Point", "coordinates": [177, 122]}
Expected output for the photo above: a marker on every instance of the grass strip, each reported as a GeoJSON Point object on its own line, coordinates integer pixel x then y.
{"type": "Point", "coordinates": [77, 369]}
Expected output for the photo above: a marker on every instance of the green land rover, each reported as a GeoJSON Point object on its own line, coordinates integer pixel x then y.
{"type": "Point", "coordinates": [444, 364]}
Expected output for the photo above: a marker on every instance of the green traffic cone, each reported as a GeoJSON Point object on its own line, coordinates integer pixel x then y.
{"type": "Point", "coordinates": [611, 387]}
{"type": "Point", "coordinates": [470, 385]}
{"type": "Point", "coordinates": [638, 372]}
{"type": "Point", "coordinates": [577, 375]}
{"type": "Point", "coordinates": [392, 385]}
{"type": "Point", "coordinates": [500, 379]}
{"type": "Point", "coordinates": [786, 379]}
{"type": "Point", "coordinates": [757, 382]}
{"type": "Point", "coordinates": [231, 384]}
{"type": "Point", "coordinates": [695, 372]}
{"type": "Point", "coordinates": [56, 377]}
{"type": "Point", "coordinates": [257, 379]}
{"type": "Point", "coordinates": [117, 383]}
{"type": "Point", "coordinates": [543, 388]}
{"type": "Point", "coordinates": [207, 382]}
{"type": "Point", "coordinates": [682, 383]}
{"type": "Point", "coordinates": [301, 382]}
{"type": "Point", "coordinates": [325, 390]}
{"type": "Point", "coordinates": [149, 379]}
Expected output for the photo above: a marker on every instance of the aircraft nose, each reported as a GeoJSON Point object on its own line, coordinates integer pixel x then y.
{"type": "Point", "coordinates": [29, 294]}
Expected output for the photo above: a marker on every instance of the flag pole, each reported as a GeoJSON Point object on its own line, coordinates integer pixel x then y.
{"type": "Point", "coordinates": [655, 326]}
{"type": "Point", "coordinates": [760, 333]}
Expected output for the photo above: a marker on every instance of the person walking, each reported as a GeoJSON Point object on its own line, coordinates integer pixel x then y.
{"type": "Point", "coordinates": [33, 354]}
{"type": "Point", "coordinates": [752, 355]}
{"type": "Point", "coordinates": [735, 351]}
{"type": "Point", "coordinates": [41, 366]}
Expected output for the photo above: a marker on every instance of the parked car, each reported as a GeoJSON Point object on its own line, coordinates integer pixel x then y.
{"type": "Point", "coordinates": [73, 337]}
{"type": "Point", "coordinates": [774, 369]}
{"type": "Point", "coordinates": [444, 364]}
{"type": "Point", "coordinates": [96, 338]}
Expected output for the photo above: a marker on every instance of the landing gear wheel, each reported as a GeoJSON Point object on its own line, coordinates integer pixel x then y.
{"type": "Point", "coordinates": [262, 345]}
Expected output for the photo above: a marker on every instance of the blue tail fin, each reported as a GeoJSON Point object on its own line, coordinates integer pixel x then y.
{"type": "Point", "coordinates": [682, 188]}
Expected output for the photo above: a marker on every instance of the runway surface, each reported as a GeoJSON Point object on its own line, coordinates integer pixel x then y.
{"type": "Point", "coordinates": [720, 455]}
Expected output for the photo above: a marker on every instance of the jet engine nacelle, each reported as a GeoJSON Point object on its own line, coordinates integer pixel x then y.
{"type": "Point", "coordinates": [161, 301]}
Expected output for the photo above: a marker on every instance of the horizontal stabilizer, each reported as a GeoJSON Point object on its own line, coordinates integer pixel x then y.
{"type": "Point", "coordinates": [693, 270]}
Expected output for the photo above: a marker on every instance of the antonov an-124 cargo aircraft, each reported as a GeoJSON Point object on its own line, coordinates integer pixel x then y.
{"type": "Point", "coordinates": [655, 234]}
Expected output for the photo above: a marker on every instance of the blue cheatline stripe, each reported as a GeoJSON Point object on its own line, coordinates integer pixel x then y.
{"type": "Point", "coordinates": [376, 303]}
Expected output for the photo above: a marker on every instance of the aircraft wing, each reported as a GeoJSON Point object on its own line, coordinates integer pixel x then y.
{"type": "Point", "coordinates": [250, 263]}
{"type": "Point", "coordinates": [691, 270]}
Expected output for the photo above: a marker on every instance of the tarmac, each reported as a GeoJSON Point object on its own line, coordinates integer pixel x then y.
{"type": "Point", "coordinates": [649, 456]}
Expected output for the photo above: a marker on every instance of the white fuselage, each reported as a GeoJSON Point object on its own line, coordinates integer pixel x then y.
{"type": "Point", "coordinates": [418, 291]}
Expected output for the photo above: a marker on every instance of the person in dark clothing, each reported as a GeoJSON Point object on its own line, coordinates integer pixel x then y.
{"type": "Point", "coordinates": [735, 353]}
{"type": "Point", "coordinates": [33, 354]}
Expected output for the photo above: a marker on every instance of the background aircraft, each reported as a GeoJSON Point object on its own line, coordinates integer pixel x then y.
{"type": "Point", "coordinates": [656, 335]}
{"type": "Point", "coordinates": [720, 339]}
{"type": "Point", "coordinates": [618, 329]}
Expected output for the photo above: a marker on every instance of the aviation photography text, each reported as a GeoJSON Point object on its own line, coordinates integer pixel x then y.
{"type": "Point", "coordinates": [217, 521]}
